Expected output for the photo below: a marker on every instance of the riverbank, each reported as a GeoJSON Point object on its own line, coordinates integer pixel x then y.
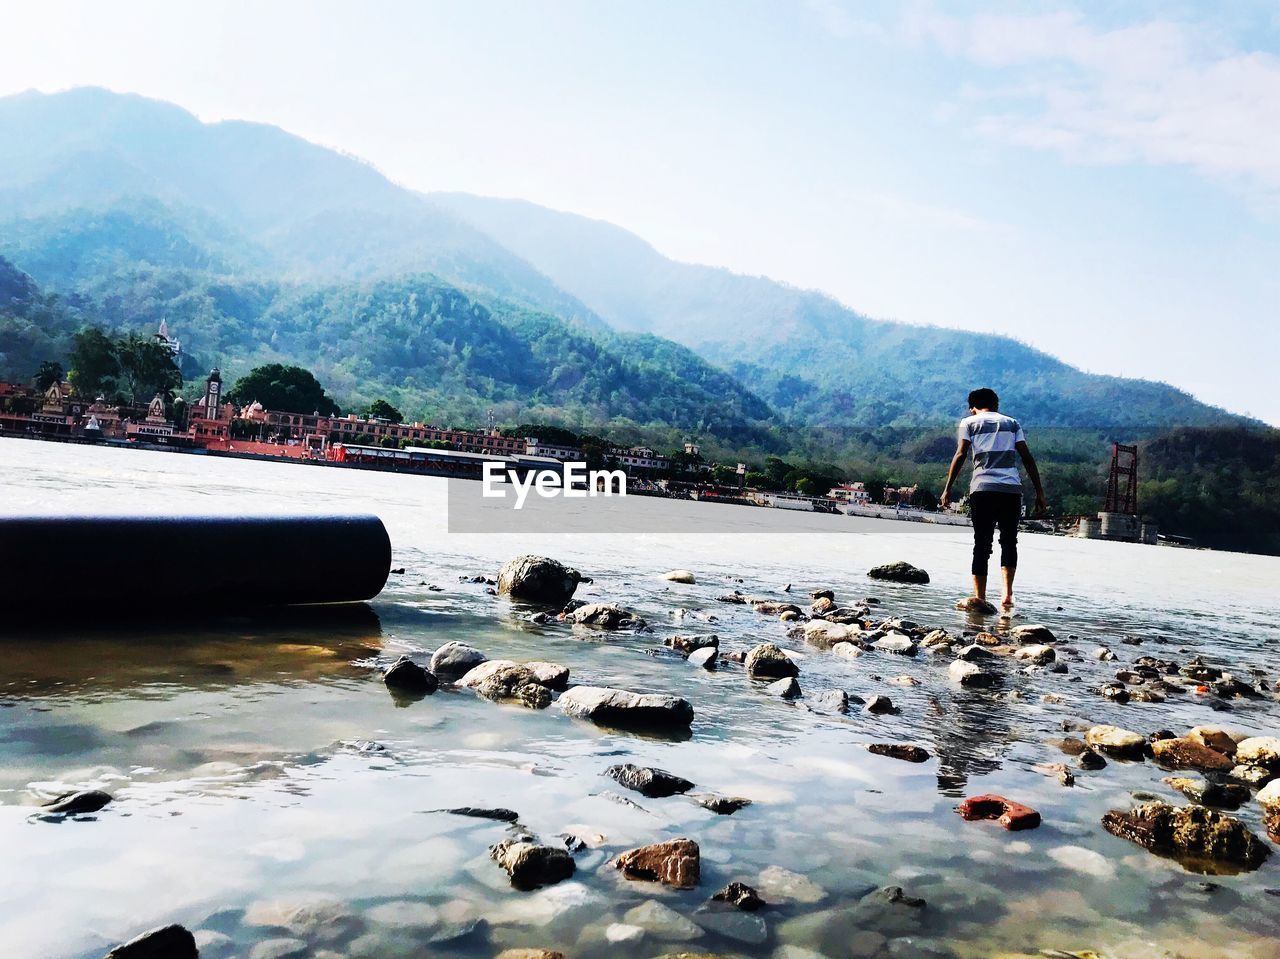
{"type": "Point", "coordinates": [265, 730]}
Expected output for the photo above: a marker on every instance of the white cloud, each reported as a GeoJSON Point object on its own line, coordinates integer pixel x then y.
{"type": "Point", "coordinates": [1158, 93]}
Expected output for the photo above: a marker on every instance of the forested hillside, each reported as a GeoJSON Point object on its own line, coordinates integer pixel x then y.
{"type": "Point", "coordinates": [425, 345]}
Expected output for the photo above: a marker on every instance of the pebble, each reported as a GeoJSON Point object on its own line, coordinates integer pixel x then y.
{"type": "Point", "coordinates": [780, 885]}
{"type": "Point", "coordinates": [662, 922]}
{"type": "Point", "coordinates": [620, 933]}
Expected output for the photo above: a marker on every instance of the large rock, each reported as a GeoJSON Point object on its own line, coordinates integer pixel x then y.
{"type": "Point", "coordinates": [1259, 751]}
{"type": "Point", "coordinates": [166, 942]}
{"type": "Point", "coordinates": [605, 616]}
{"type": "Point", "coordinates": [531, 865]}
{"type": "Point", "coordinates": [1194, 832]}
{"type": "Point", "coordinates": [618, 707]}
{"type": "Point", "coordinates": [1116, 741]}
{"type": "Point", "coordinates": [537, 579]}
{"type": "Point", "coordinates": [769, 661]}
{"type": "Point", "coordinates": [455, 659]}
{"type": "Point", "coordinates": [648, 780]}
{"type": "Point", "coordinates": [406, 676]}
{"type": "Point", "coordinates": [899, 572]}
{"type": "Point", "coordinates": [675, 862]}
{"type": "Point", "coordinates": [1188, 754]}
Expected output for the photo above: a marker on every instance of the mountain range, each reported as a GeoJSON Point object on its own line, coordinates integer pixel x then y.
{"type": "Point", "coordinates": [256, 244]}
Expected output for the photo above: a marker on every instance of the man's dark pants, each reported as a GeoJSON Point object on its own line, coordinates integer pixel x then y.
{"type": "Point", "coordinates": [989, 509]}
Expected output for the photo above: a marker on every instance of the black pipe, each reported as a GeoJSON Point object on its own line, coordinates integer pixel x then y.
{"type": "Point", "coordinates": [109, 566]}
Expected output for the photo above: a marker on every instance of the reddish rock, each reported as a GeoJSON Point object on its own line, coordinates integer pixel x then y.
{"type": "Point", "coordinates": [1010, 814]}
{"type": "Point", "coordinates": [672, 863]}
{"type": "Point", "coordinates": [1189, 754]}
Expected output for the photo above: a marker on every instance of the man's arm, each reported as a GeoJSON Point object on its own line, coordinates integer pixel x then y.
{"type": "Point", "coordinates": [1029, 461]}
{"type": "Point", "coordinates": [957, 463]}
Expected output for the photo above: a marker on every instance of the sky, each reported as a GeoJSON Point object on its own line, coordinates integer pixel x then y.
{"type": "Point", "coordinates": [1101, 181]}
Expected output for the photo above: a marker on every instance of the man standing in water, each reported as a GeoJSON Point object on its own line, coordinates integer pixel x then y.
{"type": "Point", "coordinates": [995, 494]}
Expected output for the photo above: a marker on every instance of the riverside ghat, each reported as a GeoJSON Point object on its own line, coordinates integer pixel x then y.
{"type": "Point", "coordinates": [590, 752]}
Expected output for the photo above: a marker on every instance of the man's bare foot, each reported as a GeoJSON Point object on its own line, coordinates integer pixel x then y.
{"type": "Point", "coordinates": [1007, 601]}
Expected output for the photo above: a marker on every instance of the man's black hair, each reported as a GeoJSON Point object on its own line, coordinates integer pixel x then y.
{"type": "Point", "coordinates": [984, 399]}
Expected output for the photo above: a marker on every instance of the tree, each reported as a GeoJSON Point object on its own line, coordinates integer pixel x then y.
{"type": "Point", "coordinates": [94, 365]}
{"type": "Point", "coordinates": [288, 389]}
{"type": "Point", "coordinates": [146, 367]}
{"type": "Point", "coordinates": [382, 410]}
{"type": "Point", "coordinates": [49, 373]}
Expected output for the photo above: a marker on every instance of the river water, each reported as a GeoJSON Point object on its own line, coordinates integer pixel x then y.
{"type": "Point", "coordinates": [246, 808]}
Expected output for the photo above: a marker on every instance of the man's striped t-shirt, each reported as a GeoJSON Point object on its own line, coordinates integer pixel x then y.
{"type": "Point", "coordinates": [995, 460]}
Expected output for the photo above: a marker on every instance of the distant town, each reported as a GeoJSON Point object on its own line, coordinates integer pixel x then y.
{"type": "Point", "coordinates": [214, 425]}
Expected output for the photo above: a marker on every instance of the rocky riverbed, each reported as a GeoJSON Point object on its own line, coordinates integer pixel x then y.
{"type": "Point", "coordinates": [539, 757]}
{"type": "Point", "coordinates": [827, 776]}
